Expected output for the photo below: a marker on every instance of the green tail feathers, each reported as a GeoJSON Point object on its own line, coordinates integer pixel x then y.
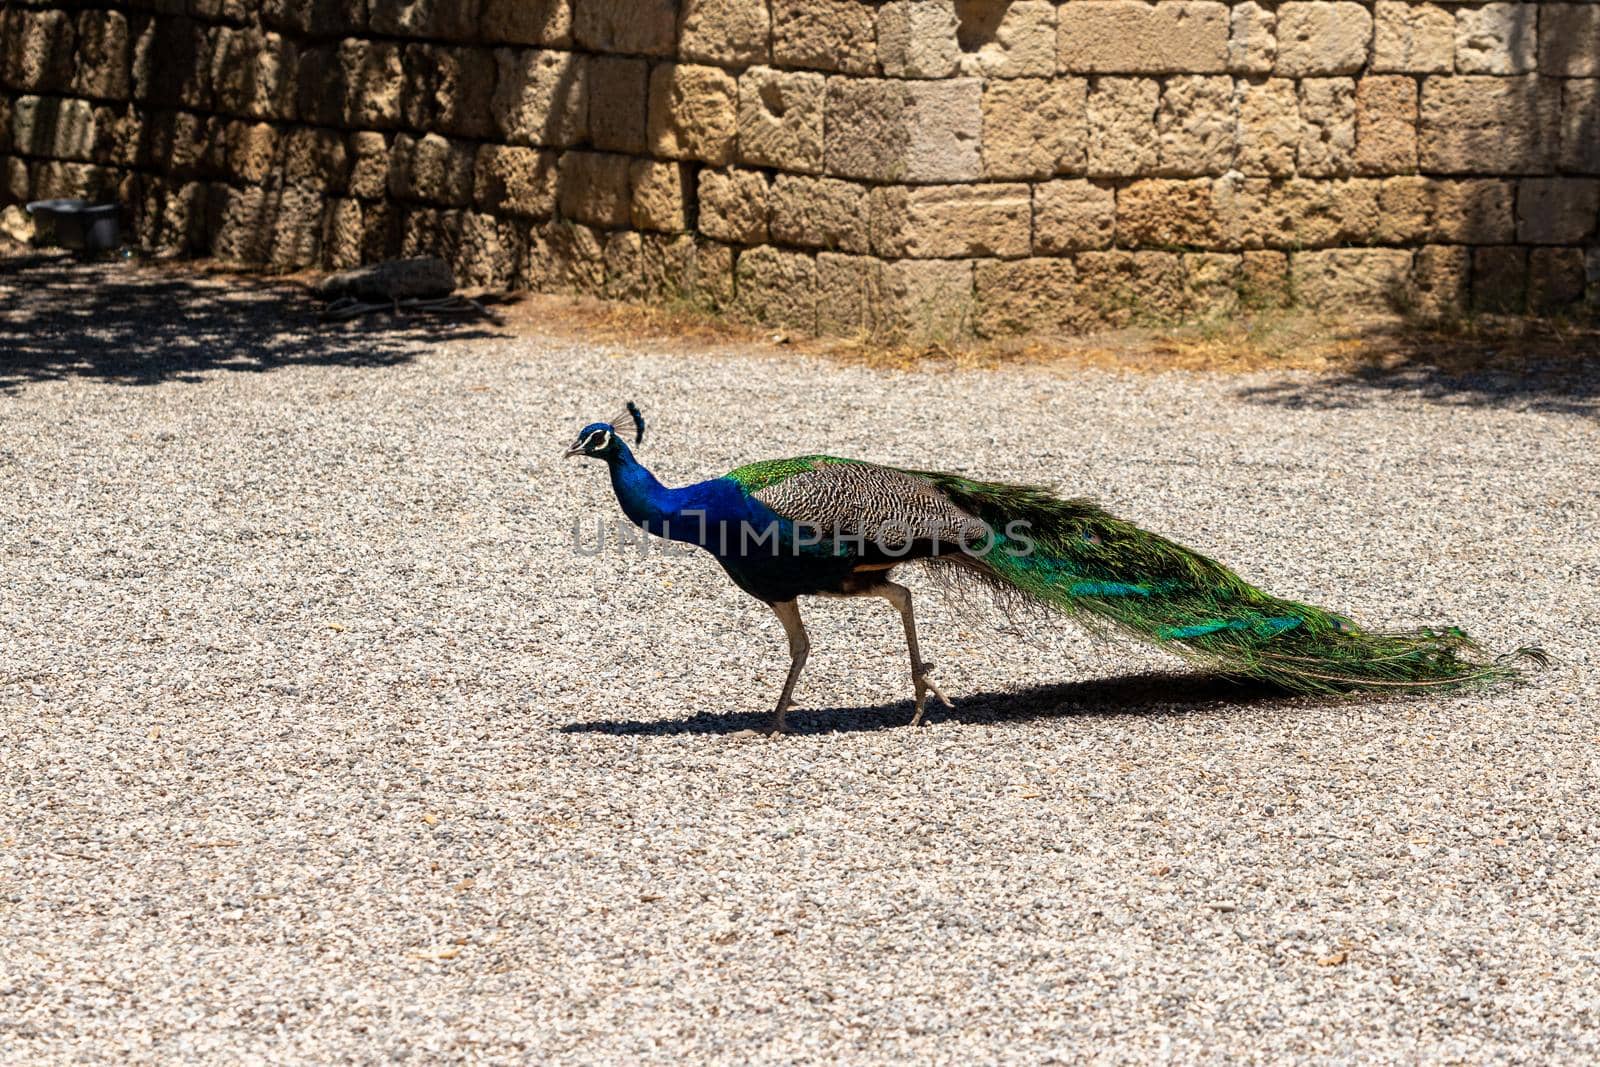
{"type": "Point", "coordinates": [1071, 556]}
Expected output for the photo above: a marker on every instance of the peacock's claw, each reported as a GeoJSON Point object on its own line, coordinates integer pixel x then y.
{"type": "Point", "coordinates": [920, 679]}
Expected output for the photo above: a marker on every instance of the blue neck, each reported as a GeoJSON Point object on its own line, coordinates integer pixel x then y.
{"type": "Point", "coordinates": [709, 514]}
{"type": "Point", "coordinates": [644, 499]}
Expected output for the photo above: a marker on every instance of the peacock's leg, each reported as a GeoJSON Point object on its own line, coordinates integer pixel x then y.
{"type": "Point", "coordinates": [788, 612]}
{"type": "Point", "coordinates": [900, 597]}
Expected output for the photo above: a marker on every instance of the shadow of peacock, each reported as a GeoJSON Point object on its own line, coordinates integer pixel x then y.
{"type": "Point", "coordinates": [826, 526]}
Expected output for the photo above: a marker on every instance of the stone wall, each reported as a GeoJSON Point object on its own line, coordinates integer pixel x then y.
{"type": "Point", "coordinates": [930, 167]}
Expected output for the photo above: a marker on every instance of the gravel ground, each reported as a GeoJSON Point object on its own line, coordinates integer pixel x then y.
{"type": "Point", "coordinates": [321, 742]}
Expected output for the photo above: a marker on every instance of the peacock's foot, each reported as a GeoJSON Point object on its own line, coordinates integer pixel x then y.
{"type": "Point", "coordinates": [919, 677]}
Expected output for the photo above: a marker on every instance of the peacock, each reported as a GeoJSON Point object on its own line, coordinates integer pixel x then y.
{"type": "Point", "coordinates": [822, 525]}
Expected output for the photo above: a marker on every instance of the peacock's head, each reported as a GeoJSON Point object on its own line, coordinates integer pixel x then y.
{"type": "Point", "coordinates": [600, 441]}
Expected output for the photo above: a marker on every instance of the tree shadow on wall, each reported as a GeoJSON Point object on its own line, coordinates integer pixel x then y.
{"type": "Point", "coordinates": [123, 322]}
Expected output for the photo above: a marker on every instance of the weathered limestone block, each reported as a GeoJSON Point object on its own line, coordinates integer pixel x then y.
{"type": "Point", "coordinates": [179, 143]}
{"type": "Point", "coordinates": [1497, 38]}
{"type": "Point", "coordinates": [372, 77]}
{"type": "Point", "coordinates": [1322, 38]}
{"type": "Point", "coordinates": [1557, 211]}
{"type": "Point", "coordinates": [1164, 212]}
{"type": "Point", "coordinates": [1580, 126]}
{"type": "Point", "coordinates": [1125, 288]}
{"type": "Point", "coordinates": [1264, 279]}
{"type": "Point", "coordinates": [911, 300]}
{"type": "Point", "coordinates": [1212, 282]}
{"type": "Point", "coordinates": [648, 266]}
{"type": "Point", "coordinates": [1556, 278]}
{"type": "Point", "coordinates": [1007, 38]}
{"type": "Point", "coordinates": [38, 51]}
{"type": "Point", "coordinates": [1072, 215]}
{"type": "Point", "coordinates": [626, 275]}
{"type": "Point", "coordinates": [727, 33]}
{"type": "Point", "coordinates": [54, 127]}
{"type": "Point", "coordinates": [15, 182]}
{"type": "Point", "coordinates": [1407, 207]}
{"type": "Point", "coordinates": [780, 119]}
{"type": "Point", "coordinates": [917, 38]}
{"type": "Point", "coordinates": [1569, 40]}
{"type": "Point", "coordinates": [253, 73]}
{"type": "Point", "coordinates": [1252, 39]}
{"type": "Point", "coordinates": [638, 27]}
{"type": "Point", "coordinates": [618, 95]}
{"type": "Point", "coordinates": [565, 257]}
{"type": "Point", "coordinates": [170, 215]}
{"type": "Point", "coordinates": [776, 288]}
{"type": "Point", "coordinates": [240, 222]}
{"type": "Point", "coordinates": [5, 124]}
{"type": "Point", "coordinates": [1195, 127]}
{"type": "Point", "coordinates": [317, 18]}
{"type": "Point", "coordinates": [430, 232]}
{"type": "Point", "coordinates": [369, 164]}
{"type": "Point", "coordinates": [1128, 37]}
{"type": "Point", "coordinates": [733, 206]}
{"type": "Point", "coordinates": [903, 131]}
{"type": "Point", "coordinates": [296, 228]}
{"type": "Point", "coordinates": [1365, 279]}
{"type": "Point", "coordinates": [104, 56]}
{"type": "Point", "coordinates": [836, 35]}
{"type": "Point", "coordinates": [431, 169]}
{"type": "Point", "coordinates": [315, 158]}
{"type": "Point", "coordinates": [660, 195]}
{"type": "Point", "coordinates": [1327, 127]}
{"type": "Point", "coordinates": [1413, 38]}
{"type": "Point", "coordinates": [1499, 279]}
{"type": "Point", "coordinates": [1035, 127]}
{"type": "Point", "coordinates": [455, 20]}
{"type": "Point", "coordinates": [1027, 296]}
{"type": "Point", "coordinates": [1122, 123]}
{"type": "Point", "coordinates": [540, 97]}
{"type": "Point", "coordinates": [1386, 125]}
{"type": "Point", "coordinates": [1483, 125]}
{"type": "Point", "coordinates": [490, 253]}
{"type": "Point", "coordinates": [947, 221]}
{"type": "Point", "coordinates": [1269, 127]}
{"type": "Point", "coordinates": [1474, 211]}
{"type": "Point", "coordinates": [820, 213]}
{"type": "Point", "coordinates": [542, 22]}
{"type": "Point", "coordinates": [593, 187]}
{"type": "Point", "coordinates": [693, 113]}
{"type": "Point", "coordinates": [449, 90]}
{"type": "Point", "coordinates": [1440, 282]}
{"type": "Point", "coordinates": [252, 149]}
{"type": "Point", "coordinates": [1298, 213]}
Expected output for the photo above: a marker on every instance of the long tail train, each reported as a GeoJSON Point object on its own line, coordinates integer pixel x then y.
{"type": "Point", "coordinates": [1087, 564]}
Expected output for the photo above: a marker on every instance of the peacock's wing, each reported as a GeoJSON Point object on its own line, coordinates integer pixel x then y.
{"type": "Point", "coordinates": [885, 506]}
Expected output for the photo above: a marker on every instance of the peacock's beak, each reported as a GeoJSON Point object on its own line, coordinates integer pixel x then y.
{"type": "Point", "coordinates": [576, 449]}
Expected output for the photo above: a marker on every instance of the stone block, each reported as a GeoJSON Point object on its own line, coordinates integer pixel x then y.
{"type": "Point", "coordinates": [490, 254]}
{"type": "Point", "coordinates": [253, 73]}
{"type": "Point", "coordinates": [820, 213]}
{"type": "Point", "coordinates": [1035, 127]}
{"type": "Point", "coordinates": [104, 56]}
{"type": "Point", "coordinates": [1569, 40]}
{"type": "Point", "coordinates": [1412, 38]}
{"type": "Point", "coordinates": [781, 119]}
{"type": "Point", "coordinates": [1441, 282]}
{"type": "Point", "coordinates": [1072, 215]}
{"type": "Point", "coordinates": [1195, 126]}
{"type": "Point", "coordinates": [1499, 279]}
{"type": "Point", "coordinates": [1580, 126]}
{"type": "Point", "coordinates": [1166, 212]}
{"type": "Point", "coordinates": [5, 125]}
{"type": "Point", "coordinates": [1006, 38]}
{"type": "Point", "coordinates": [693, 113]}
{"type": "Point", "coordinates": [733, 206]}
{"type": "Point", "coordinates": [1299, 213]}
{"type": "Point", "coordinates": [1407, 208]}
{"type": "Point", "coordinates": [431, 169]}
{"type": "Point", "coordinates": [1131, 288]}
{"type": "Point", "coordinates": [1386, 125]}
{"type": "Point", "coordinates": [1269, 127]}
{"type": "Point", "coordinates": [1556, 279]}
{"type": "Point", "coordinates": [834, 35]}
{"type": "Point", "coordinates": [1212, 283]}
{"type": "Point", "coordinates": [1557, 211]}
{"type": "Point", "coordinates": [1129, 37]}
{"type": "Point", "coordinates": [540, 97]}
{"type": "Point", "coordinates": [453, 20]}
{"type": "Point", "coordinates": [1354, 279]}
{"type": "Point", "coordinates": [449, 90]}
{"type": "Point", "coordinates": [565, 257]}
{"type": "Point", "coordinates": [917, 39]}
{"type": "Point", "coordinates": [949, 221]}
{"type": "Point", "coordinates": [316, 18]}
{"type": "Point", "coordinates": [774, 287]}
{"type": "Point", "coordinates": [39, 49]}
{"type": "Point", "coordinates": [593, 188]}
{"type": "Point", "coordinates": [1474, 211]}
{"type": "Point", "coordinates": [1122, 119]}
{"type": "Point", "coordinates": [638, 27]}
{"type": "Point", "coordinates": [1264, 279]}
{"type": "Point", "coordinates": [54, 127]}
{"type": "Point", "coordinates": [252, 149]}
{"type": "Point", "coordinates": [618, 96]}
{"type": "Point", "coordinates": [372, 77]}
{"type": "Point", "coordinates": [661, 193]}
{"type": "Point", "coordinates": [1027, 296]}
{"type": "Point", "coordinates": [903, 131]}
{"type": "Point", "coordinates": [369, 164]}
{"type": "Point", "coordinates": [917, 301]}
{"type": "Point", "coordinates": [1319, 38]}
{"type": "Point", "coordinates": [1252, 39]}
{"type": "Point", "coordinates": [1485, 125]}
{"type": "Point", "coordinates": [1497, 38]}
{"type": "Point", "coordinates": [427, 231]}
{"type": "Point", "coordinates": [726, 33]}
{"type": "Point", "coordinates": [541, 22]}
{"type": "Point", "coordinates": [316, 158]}
{"type": "Point", "coordinates": [1327, 127]}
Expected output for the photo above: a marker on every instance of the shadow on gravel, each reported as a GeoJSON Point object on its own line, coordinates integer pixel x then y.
{"type": "Point", "coordinates": [120, 321]}
{"type": "Point", "coordinates": [1152, 693]}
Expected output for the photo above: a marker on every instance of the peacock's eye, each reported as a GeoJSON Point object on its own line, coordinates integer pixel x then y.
{"type": "Point", "coordinates": [601, 439]}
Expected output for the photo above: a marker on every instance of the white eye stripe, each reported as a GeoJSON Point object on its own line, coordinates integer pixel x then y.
{"type": "Point", "coordinates": [600, 439]}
